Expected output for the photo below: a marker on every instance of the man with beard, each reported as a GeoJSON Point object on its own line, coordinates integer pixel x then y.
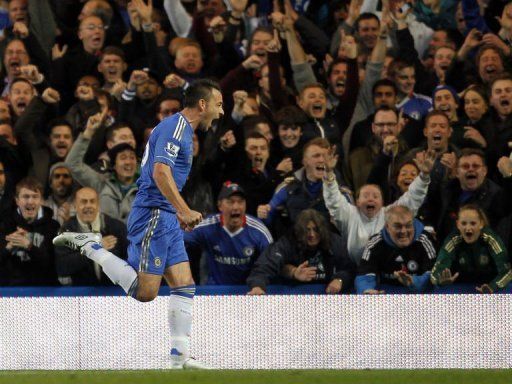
{"type": "Point", "coordinates": [60, 199]}
{"type": "Point", "coordinates": [71, 267]}
{"type": "Point", "coordinates": [26, 250]}
{"type": "Point", "coordinates": [401, 253]}
{"type": "Point", "coordinates": [231, 239]}
{"type": "Point", "coordinates": [385, 138]}
{"type": "Point", "coordinates": [21, 92]}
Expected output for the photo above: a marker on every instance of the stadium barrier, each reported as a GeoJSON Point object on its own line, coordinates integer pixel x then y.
{"type": "Point", "coordinates": [66, 328]}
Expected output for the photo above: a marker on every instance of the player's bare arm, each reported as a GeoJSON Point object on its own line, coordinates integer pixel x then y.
{"type": "Point", "coordinates": [164, 180]}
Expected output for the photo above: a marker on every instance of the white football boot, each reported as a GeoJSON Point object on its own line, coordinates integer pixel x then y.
{"type": "Point", "coordinates": [76, 240]}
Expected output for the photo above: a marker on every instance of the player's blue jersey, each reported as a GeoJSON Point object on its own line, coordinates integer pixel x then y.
{"type": "Point", "coordinates": [230, 255]}
{"type": "Point", "coordinates": [170, 143]}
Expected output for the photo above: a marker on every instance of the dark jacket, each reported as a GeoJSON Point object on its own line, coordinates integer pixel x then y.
{"type": "Point", "coordinates": [75, 269]}
{"type": "Point", "coordinates": [494, 200]}
{"type": "Point", "coordinates": [382, 257]}
{"type": "Point", "coordinates": [331, 264]}
{"type": "Point", "coordinates": [34, 266]}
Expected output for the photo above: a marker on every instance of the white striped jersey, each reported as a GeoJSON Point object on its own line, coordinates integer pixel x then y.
{"type": "Point", "coordinates": [170, 143]}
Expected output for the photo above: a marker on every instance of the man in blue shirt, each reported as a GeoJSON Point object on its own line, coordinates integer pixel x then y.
{"type": "Point", "coordinates": [156, 240]}
{"type": "Point", "coordinates": [231, 239]}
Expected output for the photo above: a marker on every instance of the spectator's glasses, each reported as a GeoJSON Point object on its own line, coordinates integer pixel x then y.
{"type": "Point", "coordinates": [467, 167]}
{"type": "Point", "coordinates": [92, 27]}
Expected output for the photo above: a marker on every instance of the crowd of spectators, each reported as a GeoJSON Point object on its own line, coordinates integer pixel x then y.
{"type": "Point", "coordinates": [364, 142]}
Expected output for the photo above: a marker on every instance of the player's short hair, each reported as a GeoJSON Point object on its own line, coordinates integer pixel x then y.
{"type": "Point", "coordinates": [199, 89]}
{"type": "Point", "coordinates": [30, 183]}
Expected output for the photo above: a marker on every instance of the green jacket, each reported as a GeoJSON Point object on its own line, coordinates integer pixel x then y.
{"type": "Point", "coordinates": [483, 261]}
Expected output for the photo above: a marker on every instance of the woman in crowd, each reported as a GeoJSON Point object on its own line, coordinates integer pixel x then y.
{"type": "Point", "coordinates": [308, 254]}
{"type": "Point", "coordinates": [473, 253]}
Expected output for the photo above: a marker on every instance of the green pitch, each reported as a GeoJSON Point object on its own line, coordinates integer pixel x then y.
{"type": "Point", "coordinates": [253, 377]}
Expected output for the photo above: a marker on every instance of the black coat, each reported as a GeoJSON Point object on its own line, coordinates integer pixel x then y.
{"type": "Point", "coordinates": [75, 269]}
{"type": "Point", "coordinates": [35, 266]}
{"type": "Point", "coordinates": [333, 263]}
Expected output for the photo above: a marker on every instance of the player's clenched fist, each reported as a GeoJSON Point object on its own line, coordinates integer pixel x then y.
{"type": "Point", "coordinates": [189, 220]}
